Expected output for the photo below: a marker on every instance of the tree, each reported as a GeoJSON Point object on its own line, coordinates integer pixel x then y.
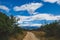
{"type": "Point", "coordinates": [8, 25]}
{"type": "Point", "coordinates": [52, 29]}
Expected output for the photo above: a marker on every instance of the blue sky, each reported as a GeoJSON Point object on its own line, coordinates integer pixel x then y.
{"type": "Point", "coordinates": [32, 12]}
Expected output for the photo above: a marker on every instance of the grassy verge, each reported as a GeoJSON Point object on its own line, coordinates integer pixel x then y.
{"type": "Point", "coordinates": [18, 36]}
{"type": "Point", "coordinates": [39, 34]}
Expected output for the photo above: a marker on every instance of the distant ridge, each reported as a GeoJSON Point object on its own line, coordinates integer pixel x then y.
{"type": "Point", "coordinates": [30, 27]}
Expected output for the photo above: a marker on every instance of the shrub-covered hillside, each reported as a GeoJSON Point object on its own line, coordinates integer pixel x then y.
{"type": "Point", "coordinates": [8, 27]}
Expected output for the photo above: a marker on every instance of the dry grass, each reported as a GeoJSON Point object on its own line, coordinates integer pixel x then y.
{"type": "Point", "coordinates": [40, 34]}
{"type": "Point", "coordinates": [18, 37]}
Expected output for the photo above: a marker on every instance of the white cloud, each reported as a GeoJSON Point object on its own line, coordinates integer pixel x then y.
{"type": "Point", "coordinates": [52, 1]}
{"type": "Point", "coordinates": [4, 8]}
{"type": "Point", "coordinates": [29, 7]}
{"type": "Point", "coordinates": [40, 16]}
{"type": "Point", "coordinates": [45, 17]}
{"type": "Point", "coordinates": [38, 25]}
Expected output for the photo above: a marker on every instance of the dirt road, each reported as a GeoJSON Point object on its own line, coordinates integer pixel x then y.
{"type": "Point", "coordinates": [30, 36]}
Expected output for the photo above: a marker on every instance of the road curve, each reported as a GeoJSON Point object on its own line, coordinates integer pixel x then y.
{"type": "Point", "coordinates": [30, 36]}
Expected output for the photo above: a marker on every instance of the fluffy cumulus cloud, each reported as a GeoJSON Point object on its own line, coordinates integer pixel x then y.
{"type": "Point", "coordinates": [45, 17]}
{"type": "Point", "coordinates": [38, 25]}
{"type": "Point", "coordinates": [52, 1]}
{"type": "Point", "coordinates": [28, 19]}
{"type": "Point", "coordinates": [4, 8]}
{"type": "Point", "coordinates": [31, 7]}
